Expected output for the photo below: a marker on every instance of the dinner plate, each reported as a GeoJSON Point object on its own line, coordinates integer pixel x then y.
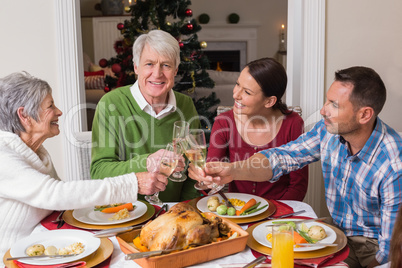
{"type": "Point", "coordinates": [202, 204]}
{"type": "Point", "coordinates": [260, 235]}
{"type": "Point", "coordinates": [68, 218]}
{"type": "Point", "coordinates": [104, 251]}
{"type": "Point", "coordinates": [59, 239]}
{"type": "Point", "coordinates": [90, 216]}
{"type": "Point", "coordinates": [341, 242]}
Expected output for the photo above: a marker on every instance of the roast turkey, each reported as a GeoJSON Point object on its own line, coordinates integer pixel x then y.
{"type": "Point", "coordinates": [181, 226]}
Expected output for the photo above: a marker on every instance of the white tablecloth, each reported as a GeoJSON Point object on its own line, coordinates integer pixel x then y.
{"type": "Point", "coordinates": [243, 257]}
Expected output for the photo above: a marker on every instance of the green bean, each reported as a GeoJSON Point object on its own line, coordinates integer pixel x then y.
{"type": "Point", "coordinates": [306, 236]}
{"type": "Point", "coordinates": [254, 210]}
{"type": "Point", "coordinates": [251, 208]}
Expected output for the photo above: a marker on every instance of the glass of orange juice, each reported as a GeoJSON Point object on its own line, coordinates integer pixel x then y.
{"type": "Point", "coordinates": [282, 255]}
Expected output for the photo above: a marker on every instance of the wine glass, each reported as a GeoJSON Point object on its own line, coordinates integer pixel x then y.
{"type": "Point", "coordinates": [196, 151]}
{"type": "Point", "coordinates": [180, 131]}
{"type": "Point", "coordinates": [167, 165]}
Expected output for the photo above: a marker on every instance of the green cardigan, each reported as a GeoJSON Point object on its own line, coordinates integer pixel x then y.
{"type": "Point", "coordinates": [123, 136]}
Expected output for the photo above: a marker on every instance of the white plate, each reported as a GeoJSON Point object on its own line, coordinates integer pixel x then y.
{"type": "Point", "coordinates": [90, 216]}
{"type": "Point", "coordinates": [202, 203]}
{"type": "Point", "coordinates": [261, 231]}
{"type": "Point", "coordinates": [59, 239]}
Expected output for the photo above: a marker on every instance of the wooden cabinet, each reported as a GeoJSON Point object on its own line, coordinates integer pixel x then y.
{"type": "Point", "coordinates": [99, 35]}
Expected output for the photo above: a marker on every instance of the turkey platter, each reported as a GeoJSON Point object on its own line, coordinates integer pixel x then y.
{"type": "Point", "coordinates": [181, 226]}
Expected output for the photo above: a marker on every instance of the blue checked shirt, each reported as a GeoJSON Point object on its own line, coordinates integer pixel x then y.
{"type": "Point", "coordinates": [363, 191]}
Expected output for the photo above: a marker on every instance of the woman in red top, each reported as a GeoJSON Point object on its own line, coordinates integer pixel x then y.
{"type": "Point", "coordinates": [258, 121]}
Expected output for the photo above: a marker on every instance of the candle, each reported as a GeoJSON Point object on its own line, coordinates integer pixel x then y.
{"type": "Point", "coordinates": [283, 33]}
{"type": "Point", "coordinates": [129, 2]}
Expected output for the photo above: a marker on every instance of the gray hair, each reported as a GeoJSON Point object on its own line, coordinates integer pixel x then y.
{"type": "Point", "coordinates": [20, 90]}
{"type": "Point", "coordinates": [160, 41]}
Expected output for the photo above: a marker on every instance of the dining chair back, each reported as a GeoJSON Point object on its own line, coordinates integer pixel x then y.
{"type": "Point", "coordinates": [84, 143]}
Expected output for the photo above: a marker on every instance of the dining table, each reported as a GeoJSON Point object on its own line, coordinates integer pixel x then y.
{"type": "Point", "coordinates": [239, 259]}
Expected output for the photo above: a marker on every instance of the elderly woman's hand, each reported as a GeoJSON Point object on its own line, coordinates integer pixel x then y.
{"type": "Point", "coordinates": [150, 182]}
{"type": "Point", "coordinates": [154, 160]}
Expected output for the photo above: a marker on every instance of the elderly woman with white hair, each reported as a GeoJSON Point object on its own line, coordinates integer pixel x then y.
{"type": "Point", "coordinates": [30, 188]}
{"type": "Point", "coordinates": [136, 120]}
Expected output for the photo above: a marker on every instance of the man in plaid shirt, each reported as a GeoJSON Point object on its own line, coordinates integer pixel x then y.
{"type": "Point", "coordinates": [360, 158]}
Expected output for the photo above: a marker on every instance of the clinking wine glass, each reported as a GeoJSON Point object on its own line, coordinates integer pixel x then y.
{"type": "Point", "coordinates": [180, 132]}
{"type": "Point", "coordinates": [196, 152]}
{"type": "Point", "coordinates": [167, 165]}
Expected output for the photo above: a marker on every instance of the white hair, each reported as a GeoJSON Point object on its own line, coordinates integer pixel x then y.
{"type": "Point", "coordinates": [20, 90]}
{"type": "Point", "coordinates": [161, 42]}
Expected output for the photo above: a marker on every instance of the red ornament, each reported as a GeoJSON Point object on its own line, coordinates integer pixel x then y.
{"type": "Point", "coordinates": [116, 68]}
{"type": "Point", "coordinates": [106, 89]}
{"type": "Point", "coordinates": [189, 26]}
{"type": "Point", "coordinates": [189, 12]}
{"type": "Point", "coordinates": [181, 44]}
{"type": "Point", "coordinates": [120, 26]}
{"type": "Point", "coordinates": [103, 63]}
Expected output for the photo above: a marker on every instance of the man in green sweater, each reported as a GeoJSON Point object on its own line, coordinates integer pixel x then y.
{"type": "Point", "coordinates": [133, 124]}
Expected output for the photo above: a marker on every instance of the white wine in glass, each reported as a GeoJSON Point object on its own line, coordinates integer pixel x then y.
{"type": "Point", "coordinates": [196, 152]}
{"type": "Point", "coordinates": [167, 165]}
{"type": "Point", "coordinates": [196, 156]}
{"type": "Point", "coordinates": [180, 132]}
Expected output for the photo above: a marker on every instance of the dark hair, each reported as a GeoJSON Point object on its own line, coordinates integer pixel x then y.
{"type": "Point", "coordinates": [368, 88]}
{"type": "Point", "coordinates": [271, 77]}
{"type": "Point", "coordinates": [395, 255]}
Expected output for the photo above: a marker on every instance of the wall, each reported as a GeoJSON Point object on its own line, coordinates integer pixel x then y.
{"type": "Point", "coordinates": [270, 14]}
{"type": "Point", "coordinates": [368, 36]}
{"type": "Point", "coordinates": [29, 43]}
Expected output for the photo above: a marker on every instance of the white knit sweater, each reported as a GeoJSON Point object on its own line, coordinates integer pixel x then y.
{"type": "Point", "coordinates": [30, 190]}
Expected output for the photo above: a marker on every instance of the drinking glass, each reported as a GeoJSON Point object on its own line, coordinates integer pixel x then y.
{"type": "Point", "coordinates": [282, 255]}
{"type": "Point", "coordinates": [180, 131]}
{"type": "Point", "coordinates": [167, 165]}
{"type": "Point", "coordinates": [196, 151]}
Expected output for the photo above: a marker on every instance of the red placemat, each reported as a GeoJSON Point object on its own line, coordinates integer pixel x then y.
{"type": "Point", "coordinates": [281, 208]}
{"type": "Point", "coordinates": [48, 224]}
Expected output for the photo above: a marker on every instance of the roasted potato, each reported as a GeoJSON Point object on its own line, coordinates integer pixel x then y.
{"type": "Point", "coordinates": [213, 203]}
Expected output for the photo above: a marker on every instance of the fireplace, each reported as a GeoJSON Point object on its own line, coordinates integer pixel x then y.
{"type": "Point", "coordinates": [227, 56]}
{"type": "Point", "coordinates": [229, 45]}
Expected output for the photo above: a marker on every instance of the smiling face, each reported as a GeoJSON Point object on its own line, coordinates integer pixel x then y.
{"type": "Point", "coordinates": [248, 96]}
{"type": "Point", "coordinates": [47, 125]}
{"type": "Point", "coordinates": [155, 75]}
{"type": "Point", "coordinates": [339, 115]}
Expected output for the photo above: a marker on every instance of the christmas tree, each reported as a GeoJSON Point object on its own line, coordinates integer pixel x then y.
{"type": "Point", "coordinates": [174, 17]}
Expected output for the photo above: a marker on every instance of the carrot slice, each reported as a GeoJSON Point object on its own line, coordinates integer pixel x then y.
{"type": "Point", "coordinates": [298, 238]}
{"type": "Point", "coordinates": [246, 206]}
{"type": "Point", "coordinates": [128, 206]}
{"type": "Point", "coordinates": [139, 245]}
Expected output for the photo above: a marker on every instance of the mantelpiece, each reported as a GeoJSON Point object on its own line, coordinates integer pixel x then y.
{"type": "Point", "coordinates": [231, 37]}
